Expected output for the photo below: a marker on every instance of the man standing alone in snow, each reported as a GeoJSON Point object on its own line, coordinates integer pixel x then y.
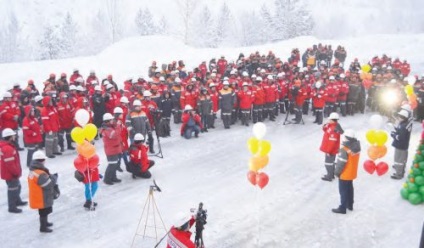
{"type": "Point", "coordinates": [346, 170]}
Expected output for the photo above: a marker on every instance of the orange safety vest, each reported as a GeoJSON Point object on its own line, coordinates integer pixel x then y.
{"type": "Point", "coordinates": [36, 196]}
{"type": "Point", "coordinates": [350, 171]}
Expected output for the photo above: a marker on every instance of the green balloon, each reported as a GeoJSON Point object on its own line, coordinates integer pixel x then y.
{"type": "Point", "coordinates": [419, 180]}
{"type": "Point", "coordinates": [419, 158]}
{"type": "Point", "coordinates": [412, 187]}
{"type": "Point", "coordinates": [404, 193]}
{"type": "Point", "coordinates": [416, 171]}
{"type": "Point", "coordinates": [421, 190]}
{"type": "Point", "coordinates": [421, 147]}
{"type": "Point", "coordinates": [421, 165]}
{"type": "Point", "coordinates": [414, 198]}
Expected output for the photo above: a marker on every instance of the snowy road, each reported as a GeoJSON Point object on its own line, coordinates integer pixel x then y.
{"type": "Point", "coordinates": [294, 210]}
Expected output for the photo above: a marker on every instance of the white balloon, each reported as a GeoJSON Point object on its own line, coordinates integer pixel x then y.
{"type": "Point", "coordinates": [376, 121]}
{"type": "Point", "coordinates": [411, 80]}
{"type": "Point", "coordinates": [259, 130]}
{"type": "Point", "coordinates": [82, 117]}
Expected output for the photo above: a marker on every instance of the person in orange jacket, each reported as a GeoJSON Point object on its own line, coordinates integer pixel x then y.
{"type": "Point", "coordinates": [41, 185]}
{"type": "Point", "coordinates": [346, 170]}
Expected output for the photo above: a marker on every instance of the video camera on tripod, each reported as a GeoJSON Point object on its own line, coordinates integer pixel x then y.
{"type": "Point", "coordinates": [155, 187]}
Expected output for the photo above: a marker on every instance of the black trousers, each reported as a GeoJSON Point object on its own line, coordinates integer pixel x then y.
{"type": "Point", "coordinates": [45, 211]}
{"type": "Point", "coordinates": [346, 193]}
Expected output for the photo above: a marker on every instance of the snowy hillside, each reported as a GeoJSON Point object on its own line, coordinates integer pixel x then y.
{"type": "Point", "coordinates": [292, 211]}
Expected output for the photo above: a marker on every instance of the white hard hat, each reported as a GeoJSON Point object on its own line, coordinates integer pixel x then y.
{"type": "Point", "coordinates": [161, 78]}
{"type": "Point", "coordinates": [253, 76]}
{"type": "Point", "coordinates": [232, 72]}
{"type": "Point", "coordinates": [331, 78]}
{"type": "Point", "coordinates": [39, 155]}
{"type": "Point", "coordinates": [188, 107]}
{"type": "Point", "coordinates": [404, 113]}
{"type": "Point", "coordinates": [270, 77]}
{"type": "Point", "coordinates": [136, 103]}
{"type": "Point", "coordinates": [107, 117]}
{"type": "Point", "coordinates": [79, 80]}
{"type": "Point", "coordinates": [38, 98]}
{"type": "Point", "coordinates": [318, 84]}
{"type": "Point", "coordinates": [7, 94]}
{"type": "Point", "coordinates": [245, 84]}
{"type": "Point", "coordinates": [118, 110]}
{"type": "Point", "coordinates": [193, 79]}
{"type": "Point", "coordinates": [393, 81]}
{"type": "Point", "coordinates": [80, 88]}
{"type": "Point", "coordinates": [147, 93]}
{"type": "Point", "coordinates": [342, 75]}
{"type": "Point", "coordinates": [262, 71]}
{"type": "Point", "coordinates": [349, 133]}
{"type": "Point", "coordinates": [226, 78]}
{"type": "Point", "coordinates": [213, 74]}
{"type": "Point", "coordinates": [138, 137]}
{"type": "Point", "coordinates": [92, 72]}
{"type": "Point", "coordinates": [245, 74]}
{"type": "Point", "coordinates": [109, 86]}
{"type": "Point", "coordinates": [258, 78]}
{"type": "Point", "coordinates": [98, 88]}
{"type": "Point", "coordinates": [211, 85]}
{"type": "Point", "coordinates": [124, 99]}
{"type": "Point", "coordinates": [75, 70]}
{"type": "Point", "coordinates": [333, 116]}
{"type": "Point", "coordinates": [225, 83]}
{"type": "Point", "coordinates": [72, 87]}
{"type": "Point", "coordinates": [7, 132]}
{"type": "Point", "coordinates": [178, 80]}
{"type": "Point", "coordinates": [389, 68]}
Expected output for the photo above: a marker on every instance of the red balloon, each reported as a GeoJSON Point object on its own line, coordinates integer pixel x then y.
{"type": "Point", "coordinates": [369, 166]}
{"type": "Point", "coordinates": [262, 180]}
{"type": "Point", "coordinates": [382, 168]}
{"type": "Point", "coordinates": [80, 163]}
{"type": "Point", "coordinates": [93, 162]}
{"type": "Point", "coordinates": [251, 176]}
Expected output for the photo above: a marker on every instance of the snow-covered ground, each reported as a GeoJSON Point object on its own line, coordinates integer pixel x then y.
{"type": "Point", "coordinates": [294, 210]}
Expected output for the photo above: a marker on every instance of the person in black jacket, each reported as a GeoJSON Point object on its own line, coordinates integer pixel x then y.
{"type": "Point", "coordinates": [166, 105]}
{"type": "Point", "coordinates": [401, 137]}
{"type": "Point", "coordinates": [99, 106]}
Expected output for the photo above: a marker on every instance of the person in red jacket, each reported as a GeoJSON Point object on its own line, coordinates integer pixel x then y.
{"type": "Point", "coordinates": [74, 76]}
{"type": "Point", "coordinates": [90, 177]}
{"type": "Point", "coordinates": [32, 132]}
{"type": "Point", "coordinates": [111, 98]}
{"type": "Point", "coordinates": [66, 116]}
{"type": "Point", "coordinates": [343, 88]}
{"type": "Point", "coordinates": [112, 142]}
{"type": "Point", "coordinates": [179, 237]}
{"type": "Point", "coordinates": [120, 122]}
{"type": "Point", "coordinates": [203, 69]}
{"type": "Point", "coordinates": [318, 102]}
{"type": "Point", "coordinates": [283, 87]}
{"type": "Point", "coordinates": [330, 144]}
{"type": "Point", "coordinates": [271, 97]}
{"type": "Point", "coordinates": [10, 169]}
{"type": "Point", "coordinates": [214, 95]}
{"type": "Point", "coordinates": [258, 100]}
{"type": "Point", "coordinates": [139, 164]}
{"type": "Point", "coordinates": [222, 65]}
{"type": "Point", "coordinates": [300, 94]}
{"type": "Point", "coordinates": [245, 98]}
{"type": "Point", "coordinates": [9, 113]}
{"type": "Point", "coordinates": [188, 96]}
{"type": "Point", "coordinates": [51, 125]}
{"type": "Point", "coordinates": [191, 123]}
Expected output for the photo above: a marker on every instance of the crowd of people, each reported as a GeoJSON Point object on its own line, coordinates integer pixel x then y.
{"type": "Point", "coordinates": [253, 88]}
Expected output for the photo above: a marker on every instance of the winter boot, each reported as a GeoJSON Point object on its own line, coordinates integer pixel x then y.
{"type": "Point", "coordinates": [88, 205]}
{"type": "Point", "coordinates": [44, 226]}
{"type": "Point", "coordinates": [338, 210]}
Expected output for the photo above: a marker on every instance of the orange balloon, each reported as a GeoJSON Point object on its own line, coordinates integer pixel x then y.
{"type": "Point", "coordinates": [258, 162]}
{"type": "Point", "coordinates": [86, 149]}
{"type": "Point", "coordinates": [376, 152]}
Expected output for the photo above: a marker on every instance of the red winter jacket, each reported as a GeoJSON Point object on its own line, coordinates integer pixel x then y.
{"type": "Point", "coordinates": [9, 112]}
{"type": "Point", "coordinates": [343, 88]}
{"type": "Point", "coordinates": [203, 70]}
{"type": "Point", "coordinates": [215, 100]}
{"type": "Point", "coordinates": [124, 133]}
{"type": "Point", "coordinates": [332, 92]}
{"type": "Point", "coordinates": [10, 166]}
{"type": "Point", "coordinates": [245, 99]}
{"type": "Point", "coordinates": [405, 69]}
{"type": "Point", "coordinates": [222, 66]}
{"type": "Point", "coordinates": [188, 98]}
{"type": "Point", "coordinates": [66, 114]}
{"type": "Point", "coordinates": [271, 93]}
{"type": "Point", "coordinates": [49, 116]}
{"type": "Point", "coordinates": [149, 107]}
{"type": "Point", "coordinates": [331, 139]}
{"type": "Point", "coordinates": [284, 89]}
{"type": "Point", "coordinates": [138, 156]}
{"type": "Point", "coordinates": [318, 98]}
{"type": "Point", "coordinates": [112, 140]}
{"type": "Point", "coordinates": [180, 238]}
{"type": "Point", "coordinates": [259, 95]}
{"type": "Point", "coordinates": [31, 128]}
{"type": "Point", "coordinates": [91, 175]}
{"type": "Point", "coordinates": [186, 117]}
{"type": "Point", "coordinates": [302, 95]}
{"type": "Point", "coordinates": [73, 77]}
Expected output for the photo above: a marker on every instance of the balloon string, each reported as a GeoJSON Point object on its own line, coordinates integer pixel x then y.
{"type": "Point", "coordinates": [258, 209]}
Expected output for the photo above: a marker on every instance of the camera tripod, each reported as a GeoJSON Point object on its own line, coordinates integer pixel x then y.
{"type": "Point", "coordinates": [153, 209]}
{"type": "Point", "coordinates": [288, 110]}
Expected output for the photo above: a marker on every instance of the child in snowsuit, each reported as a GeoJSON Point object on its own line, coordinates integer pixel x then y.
{"type": "Point", "coordinates": [401, 137]}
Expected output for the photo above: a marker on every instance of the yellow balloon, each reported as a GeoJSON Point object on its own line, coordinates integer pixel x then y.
{"type": "Point", "coordinates": [366, 68]}
{"type": "Point", "coordinates": [90, 131]}
{"type": "Point", "coordinates": [264, 147]}
{"type": "Point", "coordinates": [253, 145]}
{"type": "Point", "coordinates": [380, 138]}
{"type": "Point", "coordinates": [77, 135]}
{"type": "Point", "coordinates": [409, 90]}
{"type": "Point", "coordinates": [371, 136]}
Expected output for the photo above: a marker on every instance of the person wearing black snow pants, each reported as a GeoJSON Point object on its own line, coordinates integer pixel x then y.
{"type": "Point", "coordinates": [112, 141]}
{"type": "Point", "coordinates": [330, 144]}
{"type": "Point", "coordinates": [226, 104]}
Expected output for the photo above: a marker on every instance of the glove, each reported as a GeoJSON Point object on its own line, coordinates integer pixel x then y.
{"type": "Point", "coordinates": [100, 176]}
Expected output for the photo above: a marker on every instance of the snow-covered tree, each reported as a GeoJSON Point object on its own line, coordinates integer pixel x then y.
{"type": "Point", "coordinates": [162, 27]}
{"type": "Point", "coordinates": [266, 25]}
{"type": "Point", "coordinates": [50, 43]}
{"type": "Point", "coordinates": [9, 40]}
{"type": "Point", "coordinates": [114, 18]}
{"type": "Point", "coordinates": [98, 36]}
{"type": "Point", "coordinates": [186, 10]}
{"type": "Point", "coordinates": [204, 30]}
{"type": "Point", "coordinates": [144, 22]}
{"type": "Point", "coordinates": [251, 26]}
{"type": "Point", "coordinates": [224, 26]}
{"type": "Point", "coordinates": [68, 37]}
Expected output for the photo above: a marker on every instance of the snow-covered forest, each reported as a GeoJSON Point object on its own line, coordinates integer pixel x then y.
{"type": "Point", "coordinates": [42, 29]}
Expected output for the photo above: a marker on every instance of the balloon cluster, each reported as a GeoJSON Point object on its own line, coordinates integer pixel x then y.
{"type": "Point", "coordinates": [377, 149]}
{"type": "Point", "coordinates": [259, 149]}
{"type": "Point", "coordinates": [413, 189]}
{"type": "Point", "coordinates": [409, 90]}
{"type": "Point", "coordinates": [87, 157]}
